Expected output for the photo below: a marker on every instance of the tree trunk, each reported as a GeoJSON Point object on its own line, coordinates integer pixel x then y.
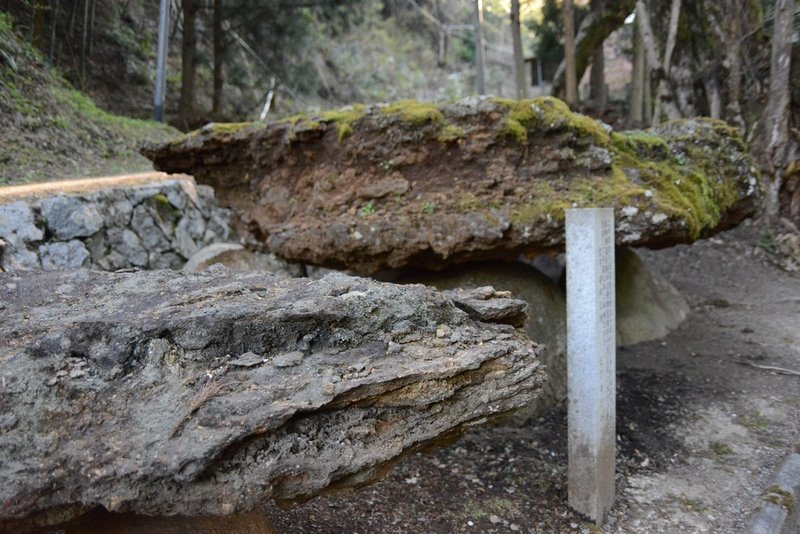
{"type": "Point", "coordinates": [714, 97]}
{"type": "Point", "coordinates": [637, 79]}
{"type": "Point", "coordinates": [594, 29]}
{"type": "Point", "coordinates": [775, 128]}
{"type": "Point", "coordinates": [83, 42]}
{"type": "Point", "coordinates": [53, 26]}
{"type": "Point", "coordinates": [216, 106]}
{"type": "Point", "coordinates": [442, 57]}
{"type": "Point", "coordinates": [598, 82]}
{"type": "Point", "coordinates": [569, 53]}
{"type": "Point", "coordinates": [38, 23]}
{"type": "Point", "coordinates": [188, 66]}
{"type": "Point", "coordinates": [733, 112]}
{"type": "Point", "coordinates": [598, 77]}
{"type": "Point", "coordinates": [91, 26]}
{"type": "Point", "coordinates": [519, 59]}
{"type": "Point", "coordinates": [480, 55]}
{"type": "Point", "coordinates": [647, 112]}
{"type": "Point", "coordinates": [660, 66]}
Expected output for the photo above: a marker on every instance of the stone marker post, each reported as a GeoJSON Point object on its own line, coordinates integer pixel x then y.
{"type": "Point", "coordinates": [591, 360]}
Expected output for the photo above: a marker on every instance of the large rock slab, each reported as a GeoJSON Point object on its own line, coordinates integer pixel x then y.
{"type": "Point", "coordinates": [411, 184]}
{"type": "Point", "coordinates": [162, 393]}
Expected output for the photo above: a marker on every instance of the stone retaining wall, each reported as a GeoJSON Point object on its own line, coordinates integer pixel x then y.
{"type": "Point", "coordinates": [149, 226]}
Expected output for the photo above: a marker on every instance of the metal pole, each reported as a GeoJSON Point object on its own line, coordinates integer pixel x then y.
{"type": "Point", "coordinates": [480, 54]}
{"type": "Point", "coordinates": [161, 62]}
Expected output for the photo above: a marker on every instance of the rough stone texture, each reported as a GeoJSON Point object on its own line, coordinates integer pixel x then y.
{"type": "Point", "coordinates": [17, 224]}
{"type": "Point", "coordinates": [547, 311]}
{"type": "Point", "coordinates": [648, 306]}
{"type": "Point", "coordinates": [778, 512]}
{"type": "Point", "coordinates": [151, 226]}
{"type": "Point", "coordinates": [68, 217]}
{"type": "Point", "coordinates": [158, 393]}
{"type": "Point", "coordinates": [238, 259]}
{"type": "Point", "coordinates": [62, 256]}
{"type": "Point", "coordinates": [410, 184]}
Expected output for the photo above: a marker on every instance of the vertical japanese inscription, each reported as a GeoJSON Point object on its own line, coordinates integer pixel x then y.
{"type": "Point", "coordinates": [591, 354]}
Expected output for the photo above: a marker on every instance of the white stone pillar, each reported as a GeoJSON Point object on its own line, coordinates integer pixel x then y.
{"type": "Point", "coordinates": [591, 360]}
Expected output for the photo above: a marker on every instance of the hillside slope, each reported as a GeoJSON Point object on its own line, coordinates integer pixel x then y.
{"type": "Point", "coordinates": [49, 130]}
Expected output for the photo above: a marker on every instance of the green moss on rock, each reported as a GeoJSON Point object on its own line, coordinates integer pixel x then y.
{"type": "Point", "coordinates": [780, 497]}
{"type": "Point", "coordinates": [450, 133]}
{"type": "Point", "coordinates": [547, 114]}
{"type": "Point", "coordinates": [414, 112]}
{"type": "Point", "coordinates": [343, 119]}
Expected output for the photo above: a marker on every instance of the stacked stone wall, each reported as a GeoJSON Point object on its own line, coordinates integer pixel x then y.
{"type": "Point", "coordinates": [150, 226]}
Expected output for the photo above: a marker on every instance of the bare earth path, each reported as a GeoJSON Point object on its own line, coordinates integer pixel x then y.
{"type": "Point", "coordinates": [699, 429]}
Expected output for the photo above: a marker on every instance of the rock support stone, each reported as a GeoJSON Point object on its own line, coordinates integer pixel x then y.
{"type": "Point", "coordinates": [163, 393]}
{"type": "Point", "coordinates": [416, 185]}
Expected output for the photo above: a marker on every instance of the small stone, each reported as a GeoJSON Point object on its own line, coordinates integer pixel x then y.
{"type": "Point", "coordinates": [69, 217]}
{"type": "Point", "coordinates": [493, 519]}
{"type": "Point", "coordinates": [184, 243]}
{"type": "Point", "coordinates": [248, 359]}
{"type": "Point", "coordinates": [470, 524]}
{"type": "Point", "coordinates": [514, 527]}
{"type": "Point", "coordinates": [288, 360]}
{"type": "Point", "coordinates": [17, 224]}
{"type": "Point", "coordinates": [658, 218]}
{"type": "Point", "coordinates": [63, 256]}
{"type": "Point", "coordinates": [629, 211]}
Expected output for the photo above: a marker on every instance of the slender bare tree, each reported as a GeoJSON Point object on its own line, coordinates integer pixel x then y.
{"type": "Point", "coordinates": [598, 77]}
{"type": "Point", "coordinates": [219, 50]}
{"type": "Point", "coordinates": [519, 59]}
{"type": "Point", "coordinates": [660, 64]}
{"type": "Point", "coordinates": [188, 62]}
{"type": "Point", "coordinates": [774, 129]}
{"type": "Point", "coordinates": [637, 79]}
{"type": "Point", "coordinates": [571, 95]}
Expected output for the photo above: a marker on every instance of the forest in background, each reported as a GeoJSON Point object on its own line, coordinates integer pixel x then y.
{"type": "Point", "coordinates": [635, 63]}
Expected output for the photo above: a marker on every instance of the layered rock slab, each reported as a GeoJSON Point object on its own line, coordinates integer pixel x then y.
{"type": "Point", "coordinates": [413, 184]}
{"type": "Point", "coordinates": [163, 393]}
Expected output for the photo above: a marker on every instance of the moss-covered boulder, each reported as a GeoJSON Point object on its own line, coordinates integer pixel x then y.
{"type": "Point", "coordinates": [414, 184]}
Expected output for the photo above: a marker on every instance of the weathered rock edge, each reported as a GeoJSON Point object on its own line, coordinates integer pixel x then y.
{"type": "Point", "coordinates": [163, 393]}
{"type": "Point", "coordinates": [413, 184]}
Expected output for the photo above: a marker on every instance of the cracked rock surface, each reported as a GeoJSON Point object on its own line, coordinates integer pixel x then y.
{"type": "Point", "coordinates": [415, 185]}
{"type": "Point", "coordinates": [165, 393]}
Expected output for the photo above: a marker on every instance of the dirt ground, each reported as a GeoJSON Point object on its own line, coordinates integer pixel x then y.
{"type": "Point", "coordinates": [699, 428]}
